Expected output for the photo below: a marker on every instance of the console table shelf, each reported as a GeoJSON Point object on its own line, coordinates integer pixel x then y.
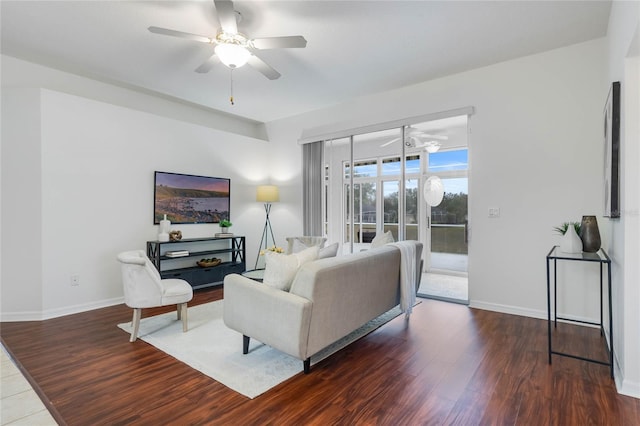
{"type": "Point", "coordinates": [231, 250]}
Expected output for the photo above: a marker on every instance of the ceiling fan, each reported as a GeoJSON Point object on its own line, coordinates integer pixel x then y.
{"type": "Point", "coordinates": [235, 49]}
{"type": "Point", "coordinates": [413, 138]}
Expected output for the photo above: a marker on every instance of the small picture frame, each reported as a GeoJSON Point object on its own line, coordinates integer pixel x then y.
{"type": "Point", "coordinates": [612, 152]}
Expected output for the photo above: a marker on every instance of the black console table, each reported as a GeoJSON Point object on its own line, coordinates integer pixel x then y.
{"type": "Point", "coordinates": [230, 249]}
{"type": "Point", "coordinates": [601, 257]}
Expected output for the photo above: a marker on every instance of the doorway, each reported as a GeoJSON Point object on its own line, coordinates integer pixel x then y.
{"type": "Point", "coordinates": [446, 234]}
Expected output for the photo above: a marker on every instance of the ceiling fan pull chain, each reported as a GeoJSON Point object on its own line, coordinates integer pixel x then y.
{"type": "Point", "coordinates": [231, 97]}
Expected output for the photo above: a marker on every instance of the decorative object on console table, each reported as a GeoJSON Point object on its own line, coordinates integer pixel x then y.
{"type": "Point", "coordinates": [612, 152]}
{"type": "Point", "coordinates": [175, 235]}
{"type": "Point", "coordinates": [590, 234]}
{"type": "Point", "coordinates": [208, 263]}
{"type": "Point", "coordinates": [165, 224]}
{"type": "Point", "coordinates": [177, 253]}
{"type": "Point", "coordinates": [570, 242]}
{"type": "Point", "coordinates": [224, 229]}
{"type": "Point", "coordinates": [267, 194]}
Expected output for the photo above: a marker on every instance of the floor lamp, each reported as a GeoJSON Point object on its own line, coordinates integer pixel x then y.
{"type": "Point", "coordinates": [267, 194]}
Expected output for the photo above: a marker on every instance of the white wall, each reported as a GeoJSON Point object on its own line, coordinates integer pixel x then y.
{"type": "Point", "coordinates": [624, 65]}
{"type": "Point", "coordinates": [21, 202]}
{"type": "Point", "coordinates": [77, 178]}
{"type": "Point", "coordinates": [535, 151]}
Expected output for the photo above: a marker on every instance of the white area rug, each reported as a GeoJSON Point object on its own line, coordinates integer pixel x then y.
{"type": "Point", "coordinates": [215, 350]}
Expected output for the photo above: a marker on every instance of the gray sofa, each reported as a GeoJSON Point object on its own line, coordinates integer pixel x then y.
{"type": "Point", "coordinates": [329, 298]}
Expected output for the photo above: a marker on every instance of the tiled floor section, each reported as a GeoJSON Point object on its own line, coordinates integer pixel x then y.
{"type": "Point", "coordinates": [20, 405]}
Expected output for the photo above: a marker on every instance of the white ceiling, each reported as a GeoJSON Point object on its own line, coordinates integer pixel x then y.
{"type": "Point", "coordinates": [355, 48]}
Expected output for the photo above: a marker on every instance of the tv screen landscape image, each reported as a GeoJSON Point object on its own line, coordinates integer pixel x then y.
{"type": "Point", "coordinates": [191, 199]}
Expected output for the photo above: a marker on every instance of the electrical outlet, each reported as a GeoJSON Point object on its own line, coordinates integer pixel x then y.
{"type": "Point", "coordinates": [494, 212]}
{"type": "Point", "coordinates": [75, 280]}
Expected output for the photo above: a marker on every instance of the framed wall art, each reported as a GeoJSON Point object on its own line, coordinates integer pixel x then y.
{"type": "Point", "coordinates": [612, 152]}
{"type": "Point", "coordinates": [190, 199]}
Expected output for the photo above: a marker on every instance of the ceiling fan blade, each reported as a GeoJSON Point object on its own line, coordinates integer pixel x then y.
{"type": "Point", "coordinates": [390, 142]}
{"type": "Point", "coordinates": [414, 133]}
{"type": "Point", "coordinates": [174, 33]}
{"type": "Point", "coordinates": [208, 64]}
{"type": "Point", "coordinates": [226, 16]}
{"type": "Point", "coordinates": [279, 42]}
{"type": "Point", "coordinates": [415, 137]}
{"type": "Point", "coordinates": [263, 67]}
{"type": "Point", "coordinates": [439, 137]}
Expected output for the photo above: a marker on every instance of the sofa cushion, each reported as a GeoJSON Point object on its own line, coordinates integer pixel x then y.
{"type": "Point", "coordinates": [380, 240]}
{"type": "Point", "coordinates": [329, 251]}
{"type": "Point", "coordinates": [296, 244]}
{"type": "Point", "coordinates": [280, 269]}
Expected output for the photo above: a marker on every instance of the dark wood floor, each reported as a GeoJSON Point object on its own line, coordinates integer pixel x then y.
{"type": "Point", "coordinates": [449, 365]}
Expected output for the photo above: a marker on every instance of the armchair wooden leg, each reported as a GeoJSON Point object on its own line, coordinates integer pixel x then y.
{"type": "Point", "coordinates": [306, 364]}
{"type": "Point", "coordinates": [182, 314]}
{"type": "Point", "coordinates": [135, 324]}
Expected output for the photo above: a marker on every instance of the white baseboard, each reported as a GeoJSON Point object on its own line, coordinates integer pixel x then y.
{"type": "Point", "coordinates": [628, 388]}
{"type": "Point", "coordinates": [59, 312]}
{"type": "Point", "coordinates": [21, 316]}
{"type": "Point", "coordinates": [531, 313]}
{"type": "Point", "coordinates": [507, 309]}
{"type": "Point", "coordinates": [625, 387]}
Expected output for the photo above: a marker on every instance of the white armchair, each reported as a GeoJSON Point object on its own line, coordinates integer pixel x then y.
{"type": "Point", "coordinates": [143, 288]}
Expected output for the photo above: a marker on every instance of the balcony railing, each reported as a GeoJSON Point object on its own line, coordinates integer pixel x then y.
{"type": "Point", "coordinates": [447, 238]}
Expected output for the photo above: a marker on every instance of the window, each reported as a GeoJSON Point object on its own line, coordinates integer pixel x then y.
{"type": "Point", "coordinates": [368, 168]}
{"type": "Point", "coordinates": [446, 161]}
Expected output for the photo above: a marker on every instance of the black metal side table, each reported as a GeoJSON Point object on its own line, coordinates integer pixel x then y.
{"type": "Point", "coordinates": [600, 257]}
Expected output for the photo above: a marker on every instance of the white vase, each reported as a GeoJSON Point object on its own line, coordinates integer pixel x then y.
{"type": "Point", "coordinates": [165, 224]}
{"type": "Point", "coordinates": [571, 242]}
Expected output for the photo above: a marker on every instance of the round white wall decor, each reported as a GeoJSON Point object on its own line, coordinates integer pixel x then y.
{"type": "Point", "coordinates": [433, 191]}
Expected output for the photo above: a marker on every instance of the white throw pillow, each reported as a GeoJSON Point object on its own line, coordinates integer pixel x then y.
{"type": "Point", "coordinates": [328, 251]}
{"type": "Point", "coordinates": [280, 269]}
{"type": "Point", "coordinates": [307, 255]}
{"type": "Point", "coordinates": [298, 246]}
{"type": "Point", "coordinates": [380, 240]}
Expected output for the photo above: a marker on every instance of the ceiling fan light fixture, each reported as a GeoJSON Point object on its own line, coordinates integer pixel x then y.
{"type": "Point", "coordinates": [232, 55]}
{"type": "Point", "coordinates": [432, 147]}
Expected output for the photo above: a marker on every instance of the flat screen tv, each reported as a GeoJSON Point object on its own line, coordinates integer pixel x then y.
{"type": "Point", "coordinates": [190, 198]}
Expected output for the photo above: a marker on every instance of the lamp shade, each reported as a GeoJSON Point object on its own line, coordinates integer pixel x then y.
{"type": "Point", "coordinates": [232, 55]}
{"type": "Point", "coordinates": [267, 193]}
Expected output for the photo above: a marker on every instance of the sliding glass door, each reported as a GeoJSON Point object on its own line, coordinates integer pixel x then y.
{"type": "Point", "coordinates": [374, 183]}
{"type": "Point", "coordinates": [449, 220]}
